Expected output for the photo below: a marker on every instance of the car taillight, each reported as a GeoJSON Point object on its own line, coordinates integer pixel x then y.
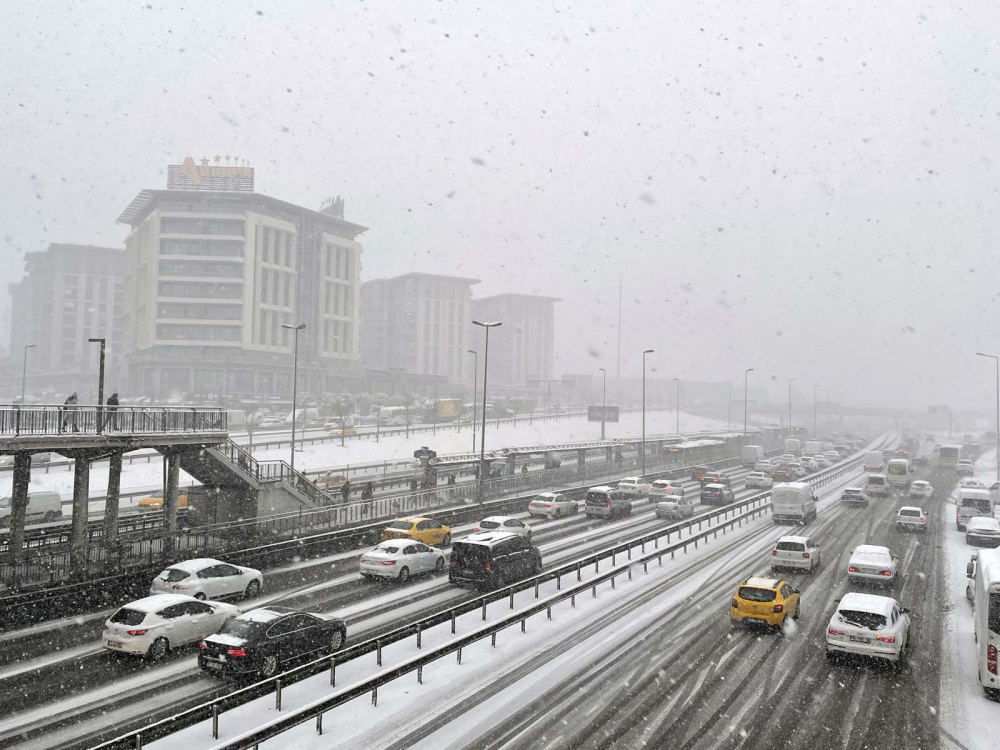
{"type": "Point", "coordinates": [886, 638]}
{"type": "Point", "coordinates": [735, 604]}
{"type": "Point", "coordinates": [487, 566]}
{"type": "Point", "coordinates": [105, 626]}
{"type": "Point", "coordinates": [887, 572]}
{"type": "Point", "coordinates": [991, 659]}
{"type": "Point", "coordinates": [805, 555]}
{"type": "Point", "coordinates": [899, 518]}
{"type": "Point", "coordinates": [203, 645]}
{"type": "Point", "coordinates": [388, 562]}
{"type": "Point", "coordinates": [609, 505]}
{"type": "Point", "coordinates": [852, 569]}
{"type": "Point", "coordinates": [137, 632]}
{"type": "Point", "coordinates": [236, 652]}
{"type": "Point", "coordinates": [833, 631]}
{"type": "Point", "coordinates": [774, 552]}
{"type": "Point", "coordinates": [923, 520]}
{"type": "Point", "coordinates": [779, 607]}
{"type": "Point", "coordinates": [475, 530]}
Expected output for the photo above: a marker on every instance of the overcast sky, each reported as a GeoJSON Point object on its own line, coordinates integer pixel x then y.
{"type": "Point", "coordinates": [808, 191]}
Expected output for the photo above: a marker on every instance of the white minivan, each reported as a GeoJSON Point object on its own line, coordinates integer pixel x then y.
{"type": "Point", "coordinates": [898, 474]}
{"type": "Point", "coordinates": [43, 507]}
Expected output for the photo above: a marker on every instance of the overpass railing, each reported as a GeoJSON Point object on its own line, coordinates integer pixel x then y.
{"type": "Point", "coordinates": [63, 419]}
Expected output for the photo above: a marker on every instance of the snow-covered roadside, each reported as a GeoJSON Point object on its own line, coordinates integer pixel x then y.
{"type": "Point", "coordinates": [966, 713]}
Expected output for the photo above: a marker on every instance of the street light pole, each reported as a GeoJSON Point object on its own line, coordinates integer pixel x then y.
{"type": "Point", "coordinates": [643, 448]}
{"type": "Point", "coordinates": [746, 401]}
{"type": "Point", "coordinates": [295, 381]}
{"type": "Point", "coordinates": [677, 408]}
{"type": "Point", "coordinates": [475, 392]}
{"type": "Point", "coordinates": [482, 435]}
{"type": "Point", "coordinates": [24, 370]}
{"type": "Point", "coordinates": [604, 399]}
{"type": "Point", "coordinates": [100, 385]}
{"type": "Point", "coordinates": [790, 381]}
{"type": "Point", "coordinates": [996, 361]}
{"type": "Point", "coordinates": [815, 413]}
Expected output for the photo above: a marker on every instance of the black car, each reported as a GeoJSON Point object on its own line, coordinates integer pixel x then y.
{"type": "Point", "coordinates": [717, 494]}
{"type": "Point", "coordinates": [263, 642]}
{"type": "Point", "coordinates": [493, 559]}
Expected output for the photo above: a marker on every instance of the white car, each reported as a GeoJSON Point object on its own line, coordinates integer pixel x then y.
{"type": "Point", "coordinates": [808, 463]}
{"type": "Point", "coordinates": [759, 479]}
{"type": "Point", "coordinates": [822, 461]}
{"type": "Point", "coordinates": [983, 530]}
{"type": "Point", "coordinates": [510, 524]}
{"type": "Point", "coordinates": [766, 465]}
{"type": "Point", "coordinates": [796, 468]}
{"type": "Point", "coordinates": [965, 466]}
{"type": "Point", "coordinates": [832, 456]}
{"type": "Point", "coordinates": [553, 505]}
{"type": "Point", "coordinates": [399, 559]}
{"type": "Point", "coordinates": [206, 578]}
{"type": "Point", "coordinates": [636, 486]}
{"type": "Point", "coordinates": [910, 518]}
{"type": "Point", "coordinates": [786, 458]}
{"type": "Point", "coordinates": [675, 506]}
{"type": "Point", "coordinates": [853, 496]}
{"type": "Point", "coordinates": [971, 483]}
{"type": "Point", "coordinates": [151, 627]}
{"type": "Point", "coordinates": [871, 563]}
{"type": "Point", "coordinates": [663, 487]}
{"type": "Point", "coordinates": [798, 552]}
{"type": "Point", "coordinates": [868, 625]}
{"type": "Point", "coordinates": [921, 489]}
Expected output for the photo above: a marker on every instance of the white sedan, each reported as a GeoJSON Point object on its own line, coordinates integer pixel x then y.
{"type": "Point", "coordinates": [153, 626]}
{"type": "Point", "coordinates": [921, 489]}
{"type": "Point", "coordinates": [401, 558]}
{"type": "Point", "coordinates": [206, 578]}
{"type": "Point", "coordinates": [663, 487]}
{"type": "Point", "coordinates": [971, 483]}
{"type": "Point", "coordinates": [868, 625]}
{"type": "Point", "coordinates": [871, 563]}
{"type": "Point", "coordinates": [759, 480]}
{"type": "Point", "coordinates": [636, 486]}
{"type": "Point", "coordinates": [553, 505]}
{"type": "Point", "coordinates": [509, 524]}
{"type": "Point", "coordinates": [983, 530]}
{"type": "Point", "coordinates": [822, 460]}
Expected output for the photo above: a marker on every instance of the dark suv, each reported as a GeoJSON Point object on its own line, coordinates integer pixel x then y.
{"type": "Point", "coordinates": [717, 494]}
{"type": "Point", "coordinates": [493, 559]}
{"type": "Point", "coordinates": [715, 477]}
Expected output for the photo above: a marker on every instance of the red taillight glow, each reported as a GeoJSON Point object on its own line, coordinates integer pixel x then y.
{"type": "Point", "coordinates": [923, 520]}
{"type": "Point", "coordinates": [779, 607]}
{"type": "Point", "coordinates": [886, 638]}
{"type": "Point", "coordinates": [991, 659]}
{"type": "Point", "coordinates": [236, 652]}
{"type": "Point", "coordinates": [832, 631]}
{"type": "Point", "coordinates": [735, 604]}
{"type": "Point", "coordinates": [487, 567]}
{"type": "Point", "coordinates": [203, 645]}
{"type": "Point", "coordinates": [805, 555]}
{"type": "Point", "coordinates": [774, 552]}
{"type": "Point", "coordinates": [388, 562]}
{"type": "Point", "coordinates": [137, 632]}
{"type": "Point", "coordinates": [899, 518]}
{"type": "Point", "coordinates": [852, 569]}
{"type": "Point", "coordinates": [887, 572]}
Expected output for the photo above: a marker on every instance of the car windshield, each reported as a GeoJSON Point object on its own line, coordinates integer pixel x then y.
{"type": "Point", "coordinates": [489, 524]}
{"type": "Point", "coordinates": [126, 616]}
{"type": "Point", "coordinates": [173, 575]}
{"type": "Point", "coordinates": [387, 549]}
{"type": "Point", "coordinates": [469, 555]}
{"type": "Point", "coordinates": [862, 619]}
{"type": "Point", "coordinates": [401, 525]}
{"type": "Point", "coordinates": [246, 630]}
{"type": "Point", "coordinates": [976, 505]}
{"type": "Point", "coordinates": [791, 546]}
{"type": "Point", "coordinates": [754, 594]}
{"type": "Point", "coordinates": [905, 512]}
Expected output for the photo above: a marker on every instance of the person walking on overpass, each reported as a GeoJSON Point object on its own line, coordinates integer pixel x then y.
{"type": "Point", "coordinates": [345, 490]}
{"type": "Point", "coordinates": [69, 412]}
{"type": "Point", "coordinates": [110, 408]}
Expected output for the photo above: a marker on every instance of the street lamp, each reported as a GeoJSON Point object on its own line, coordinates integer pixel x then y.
{"type": "Point", "coordinates": [24, 370]}
{"type": "Point", "coordinates": [295, 383]}
{"type": "Point", "coordinates": [643, 448]}
{"type": "Point", "coordinates": [604, 399]}
{"type": "Point", "coordinates": [790, 381]}
{"type": "Point", "coordinates": [475, 393]}
{"type": "Point", "coordinates": [815, 413]}
{"type": "Point", "coordinates": [482, 435]}
{"type": "Point", "coordinates": [996, 361]}
{"type": "Point", "coordinates": [746, 401]}
{"type": "Point", "coordinates": [677, 408]}
{"type": "Point", "coordinates": [100, 384]}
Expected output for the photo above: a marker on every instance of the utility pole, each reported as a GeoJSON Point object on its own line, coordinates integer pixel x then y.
{"type": "Point", "coordinates": [618, 376]}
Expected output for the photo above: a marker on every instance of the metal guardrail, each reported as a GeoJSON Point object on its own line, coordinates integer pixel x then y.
{"type": "Point", "coordinates": [752, 506]}
{"type": "Point", "coordinates": [60, 419]}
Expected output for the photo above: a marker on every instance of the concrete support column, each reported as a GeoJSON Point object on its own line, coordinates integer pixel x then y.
{"type": "Point", "coordinates": [609, 454]}
{"type": "Point", "coordinates": [511, 464]}
{"type": "Point", "coordinates": [18, 508]}
{"type": "Point", "coordinates": [111, 506]}
{"type": "Point", "coordinates": [78, 562]}
{"type": "Point", "coordinates": [170, 501]}
{"type": "Point", "coordinates": [581, 463]}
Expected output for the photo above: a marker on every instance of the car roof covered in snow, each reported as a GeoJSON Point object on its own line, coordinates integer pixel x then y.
{"type": "Point", "coordinates": [601, 488]}
{"type": "Point", "coordinates": [714, 486]}
{"type": "Point", "coordinates": [193, 566]}
{"type": "Point", "coordinates": [497, 519]}
{"type": "Point", "coordinates": [488, 538]}
{"type": "Point", "coordinates": [853, 489]}
{"type": "Point", "coordinates": [876, 605]}
{"type": "Point", "coordinates": [761, 582]}
{"type": "Point", "coordinates": [911, 507]}
{"type": "Point", "coordinates": [157, 602]}
{"type": "Point", "coordinates": [982, 522]}
{"type": "Point", "coordinates": [873, 550]}
{"type": "Point", "coordinates": [266, 614]}
{"type": "Point", "coordinates": [799, 539]}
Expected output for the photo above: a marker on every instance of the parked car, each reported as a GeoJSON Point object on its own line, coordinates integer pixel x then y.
{"type": "Point", "coordinates": [762, 600]}
{"type": "Point", "coordinates": [675, 506]}
{"type": "Point", "coordinates": [425, 530]}
{"type": "Point", "coordinates": [400, 559]}
{"type": "Point", "coordinates": [553, 505]}
{"type": "Point", "coordinates": [510, 524]}
{"type": "Point", "coordinates": [205, 578]}
{"type": "Point", "coordinates": [758, 480]}
{"type": "Point", "coordinates": [263, 641]}
{"type": "Point", "coordinates": [868, 625]}
{"type": "Point", "coordinates": [921, 489]}
{"type": "Point", "coordinates": [493, 559]}
{"type": "Point", "coordinates": [663, 487]}
{"type": "Point", "coordinates": [871, 563]}
{"type": "Point", "coordinates": [796, 552]}
{"type": "Point", "coordinates": [155, 625]}
{"type": "Point", "coordinates": [853, 496]}
{"type": "Point", "coordinates": [910, 518]}
{"type": "Point", "coordinates": [983, 532]}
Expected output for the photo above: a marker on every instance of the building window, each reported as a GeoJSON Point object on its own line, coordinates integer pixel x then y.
{"type": "Point", "coordinates": [199, 311]}
{"type": "Point", "coordinates": [220, 248]}
{"type": "Point", "coordinates": [195, 332]}
{"type": "Point", "coordinates": [200, 290]}
{"type": "Point", "coordinates": [190, 225]}
{"type": "Point", "coordinates": [201, 268]}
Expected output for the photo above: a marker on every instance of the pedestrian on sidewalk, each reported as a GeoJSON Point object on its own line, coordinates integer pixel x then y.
{"type": "Point", "coordinates": [345, 491]}
{"type": "Point", "coordinates": [110, 418]}
{"type": "Point", "coordinates": [69, 408]}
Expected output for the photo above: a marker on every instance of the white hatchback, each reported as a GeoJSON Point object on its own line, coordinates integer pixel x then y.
{"type": "Point", "coordinates": [636, 486]}
{"type": "Point", "coordinates": [910, 518]}
{"type": "Point", "coordinates": [510, 524]}
{"type": "Point", "coordinates": [759, 480]}
{"type": "Point", "coordinates": [663, 487]}
{"type": "Point", "coordinates": [921, 489]}
{"type": "Point", "coordinates": [399, 559]}
{"type": "Point", "coordinates": [553, 505]}
{"type": "Point", "coordinates": [798, 552]}
{"type": "Point", "coordinates": [868, 625]}
{"type": "Point", "coordinates": [151, 627]}
{"type": "Point", "coordinates": [206, 578]}
{"type": "Point", "coordinates": [871, 563]}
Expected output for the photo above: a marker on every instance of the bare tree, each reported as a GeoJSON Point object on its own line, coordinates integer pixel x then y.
{"type": "Point", "coordinates": [406, 402]}
{"type": "Point", "coordinates": [343, 417]}
{"type": "Point", "coordinates": [254, 419]}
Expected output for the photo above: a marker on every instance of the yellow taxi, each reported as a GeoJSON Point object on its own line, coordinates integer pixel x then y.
{"type": "Point", "coordinates": [763, 600]}
{"type": "Point", "coordinates": [330, 481]}
{"type": "Point", "coordinates": [424, 530]}
{"type": "Point", "coordinates": [155, 502]}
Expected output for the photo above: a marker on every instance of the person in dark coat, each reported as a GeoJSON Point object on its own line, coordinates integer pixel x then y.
{"type": "Point", "coordinates": [345, 491]}
{"type": "Point", "coordinates": [109, 411]}
{"type": "Point", "coordinates": [69, 412]}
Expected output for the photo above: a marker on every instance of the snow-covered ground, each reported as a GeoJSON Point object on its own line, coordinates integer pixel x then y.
{"type": "Point", "coordinates": [142, 476]}
{"type": "Point", "coordinates": [967, 715]}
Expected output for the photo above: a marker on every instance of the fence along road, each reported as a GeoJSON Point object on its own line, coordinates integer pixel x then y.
{"type": "Point", "coordinates": [726, 517]}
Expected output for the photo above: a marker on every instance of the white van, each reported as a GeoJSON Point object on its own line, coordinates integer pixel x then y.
{"type": "Point", "coordinates": [812, 447]}
{"type": "Point", "coordinates": [793, 446]}
{"type": "Point", "coordinates": [873, 461]}
{"type": "Point", "coordinates": [972, 503]}
{"type": "Point", "coordinates": [898, 474]}
{"type": "Point", "coordinates": [877, 484]}
{"type": "Point", "coordinates": [302, 416]}
{"type": "Point", "coordinates": [793, 502]}
{"type": "Point", "coordinates": [751, 455]}
{"type": "Point", "coordinates": [984, 571]}
{"type": "Point", "coordinates": [43, 507]}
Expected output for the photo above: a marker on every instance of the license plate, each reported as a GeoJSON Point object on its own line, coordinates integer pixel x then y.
{"type": "Point", "coordinates": [859, 639]}
{"type": "Point", "coordinates": [754, 620]}
{"type": "Point", "coordinates": [213, 664]}
{"type": "Point", "coordinates": [115, 644]}
{"type": "Point", "coordinates": [869, 571]}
